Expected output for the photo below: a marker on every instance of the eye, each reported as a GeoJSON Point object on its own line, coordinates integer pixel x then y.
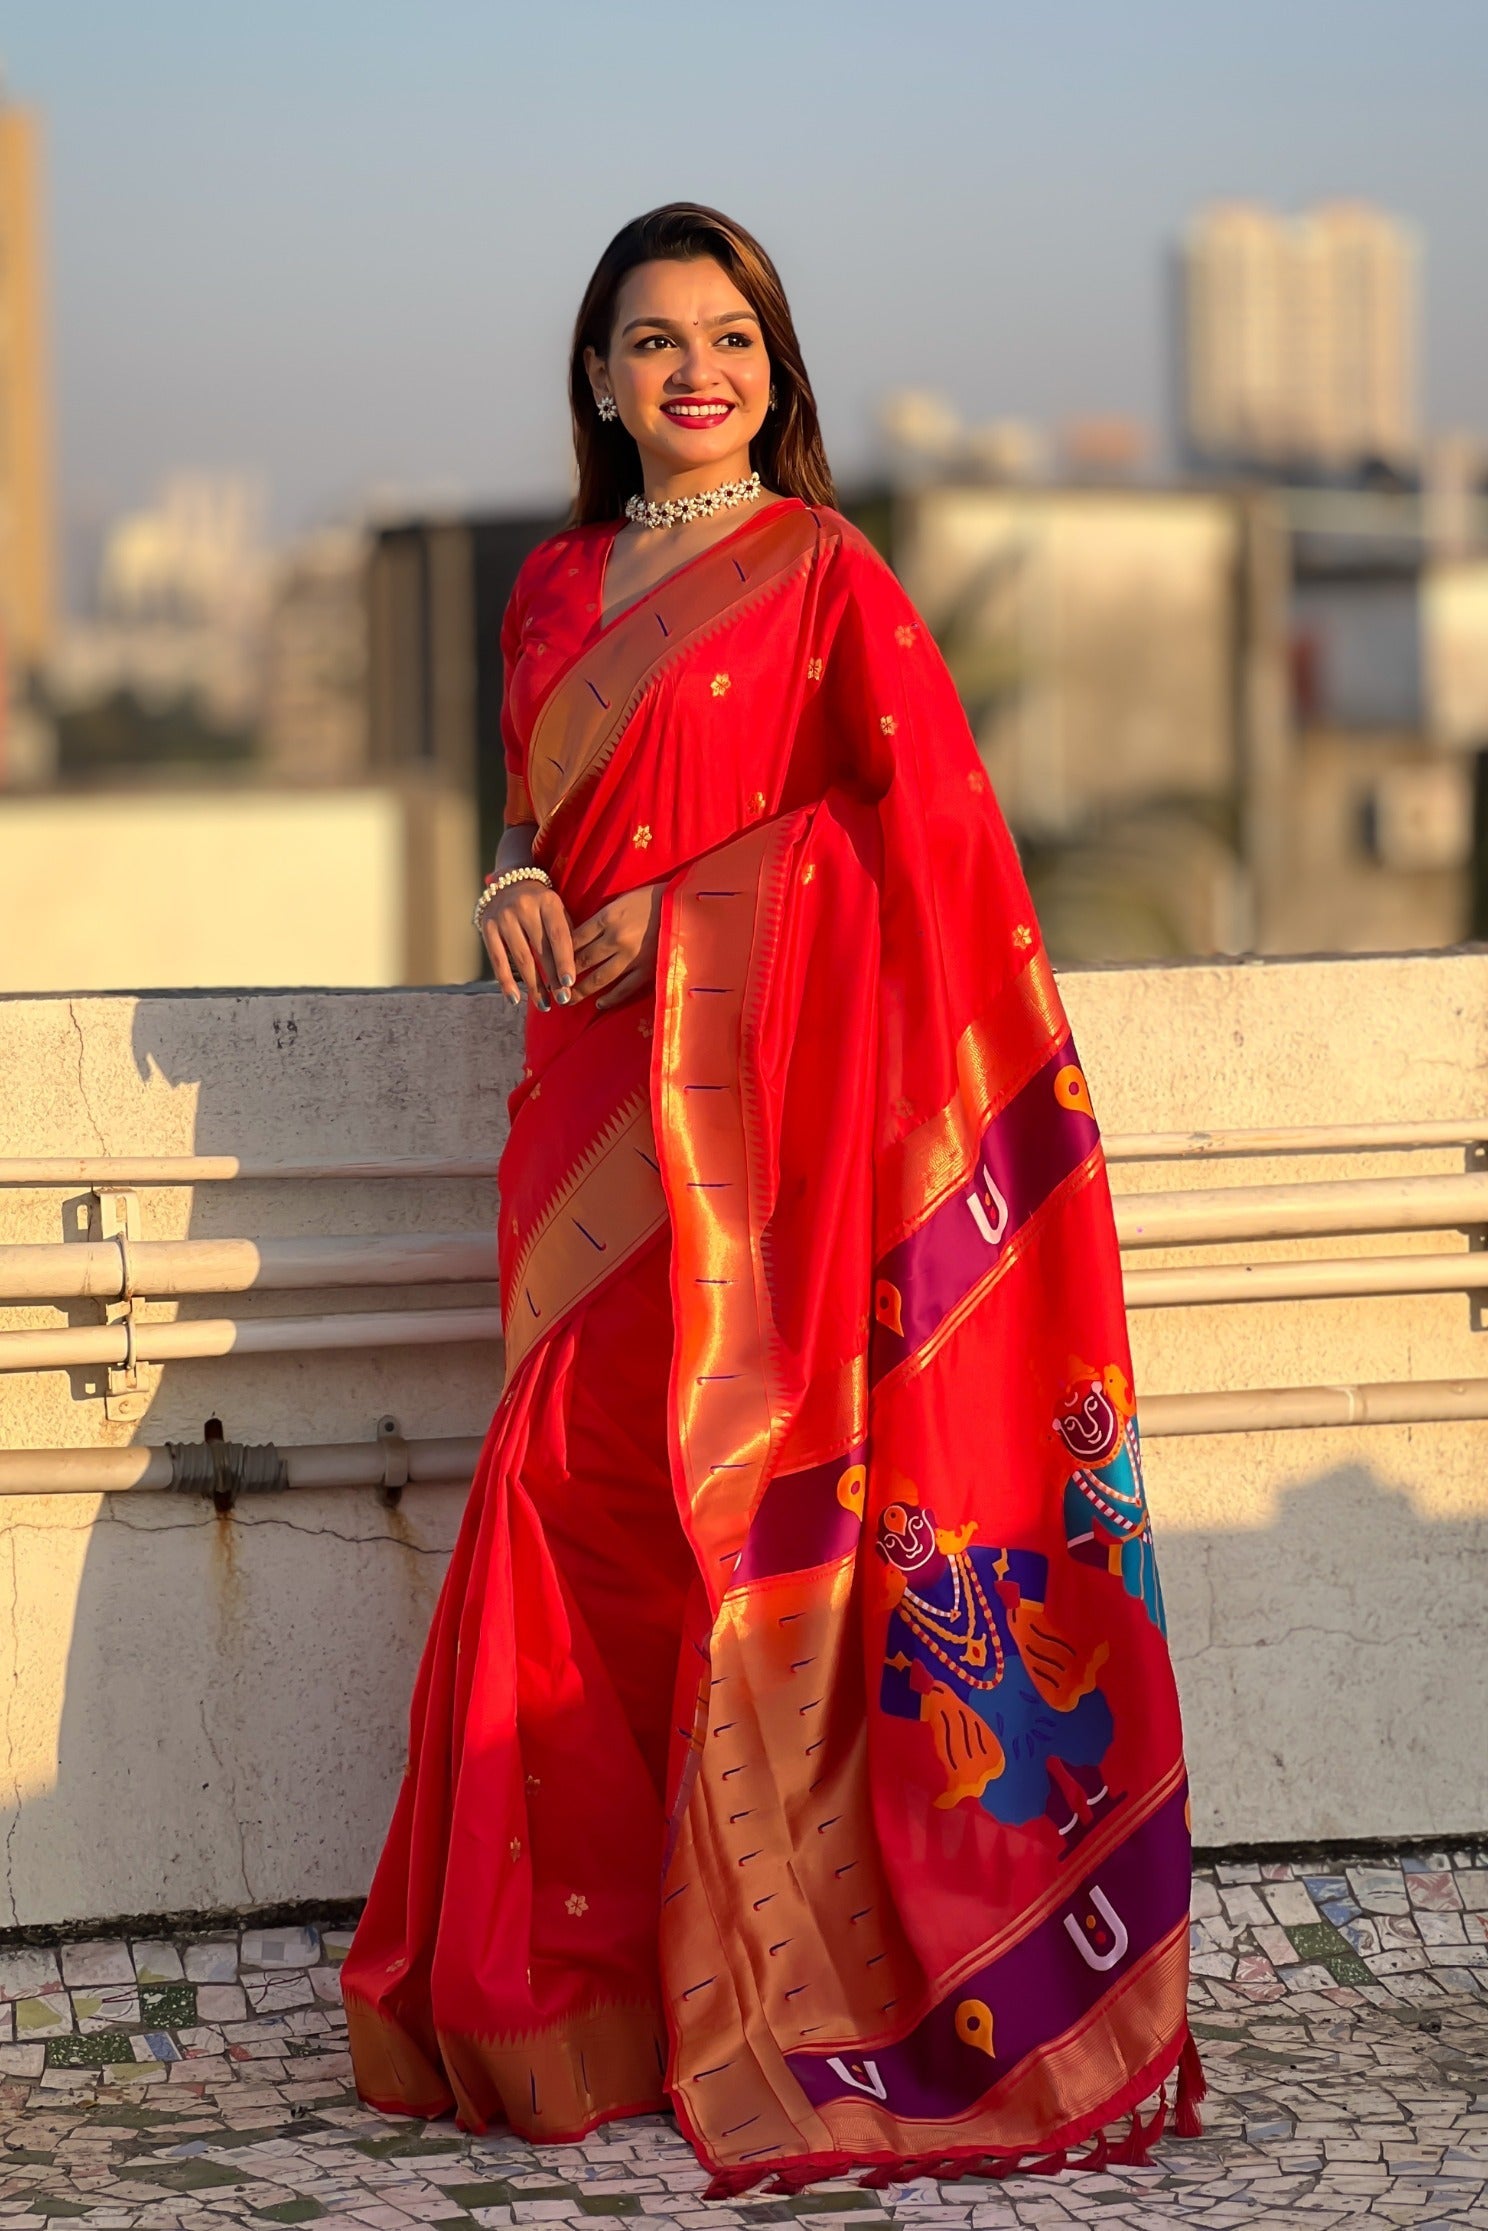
{"type": "Point", "coordinates": [739, 339]}
{"type": "Point", "coordinates": [653, 341]}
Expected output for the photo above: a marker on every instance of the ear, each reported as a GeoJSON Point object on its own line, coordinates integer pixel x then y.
{"type": "Point", "coordinates": [594, 363]}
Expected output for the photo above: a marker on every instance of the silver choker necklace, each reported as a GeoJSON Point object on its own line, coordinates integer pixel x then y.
{"type": "Point", "coordinates": [685, 509]}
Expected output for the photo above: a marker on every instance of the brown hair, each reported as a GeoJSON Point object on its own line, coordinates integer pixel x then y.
{"type": "Point", "coordinates": [787, 452]}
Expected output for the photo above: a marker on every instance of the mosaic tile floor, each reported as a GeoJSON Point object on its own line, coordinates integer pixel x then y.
{"type": "Point", "coordinates": [204, 2082]}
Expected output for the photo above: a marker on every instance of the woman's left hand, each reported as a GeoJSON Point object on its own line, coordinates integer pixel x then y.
{"type": "Point", "coordinates": [615, 950]}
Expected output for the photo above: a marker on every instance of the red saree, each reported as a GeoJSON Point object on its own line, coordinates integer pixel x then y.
{"type": "Point", "coordinates": [796, 1740]}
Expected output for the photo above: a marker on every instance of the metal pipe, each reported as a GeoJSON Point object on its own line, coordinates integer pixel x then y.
{"type": "Point", "coordinates": [188, 1337]}
{"type": "Point", "coordinates": [431, 1463]}
{"type": "Point", "coordinates": [1303, 1138]}
{"type": "Point", "coordinates": [1193, 1284]}
{"type": "Point", "coordinates": [1284, 1409]}
{"type": "Point", "coordinates": [1300, 1211]}
{"type": "Point", "coordinates": [1134, 1146]}
{"type": "Point", "coordinates": [109, 1269]}
{"type": "Point", "coordinates": [209, 1169]}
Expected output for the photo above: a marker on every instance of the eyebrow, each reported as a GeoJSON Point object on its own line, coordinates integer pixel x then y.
{"type": "Point", "coordinates": [725, 317]}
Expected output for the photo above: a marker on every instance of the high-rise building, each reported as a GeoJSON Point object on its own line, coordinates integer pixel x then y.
{"type": "Point", "coordinates": [1298, 339]}
{"type": "Point", "coordinates": [26, 535]}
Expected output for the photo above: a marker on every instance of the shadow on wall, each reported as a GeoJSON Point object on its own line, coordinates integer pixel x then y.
{"type": "Point", "coordinates": [1333, 1666]}
{"type": "Point", "coordinates": [237, 1688]}
{"type": "Point", "coordinates": [228, 1695]}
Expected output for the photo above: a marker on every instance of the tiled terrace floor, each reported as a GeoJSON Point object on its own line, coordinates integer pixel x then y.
{"type": "Point", "coordinates": [204, 2082]}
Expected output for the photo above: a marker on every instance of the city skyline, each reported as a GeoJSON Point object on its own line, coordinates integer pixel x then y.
{"type": "Point", "coordinates": [342, 252]}
{"type": "Point", "coordinates": [1300, 339]}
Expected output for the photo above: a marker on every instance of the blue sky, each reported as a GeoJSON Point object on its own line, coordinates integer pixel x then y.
{"type": "Point", "coordinates": [341, 243]}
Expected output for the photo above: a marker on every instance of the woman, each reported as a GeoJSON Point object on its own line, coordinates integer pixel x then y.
{"type": "Point", "coordinates": [796, 1740]}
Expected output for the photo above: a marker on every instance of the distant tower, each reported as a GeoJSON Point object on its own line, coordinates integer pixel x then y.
{"type": "Point", "coordinates": [1298, 339]}
{"type": "Point", "coordinates": [26, 531]}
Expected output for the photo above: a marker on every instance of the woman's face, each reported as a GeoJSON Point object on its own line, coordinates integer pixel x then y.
{"type": "Point", "coordinates": [688, 370]}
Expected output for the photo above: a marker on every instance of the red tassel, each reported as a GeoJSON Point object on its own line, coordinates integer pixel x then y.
{"type": "Point", "coordinates": [994, 2167]}
{"type": "Point", "coordinates": [1122, 2154]}
{"type": "Point", "coordinates": [1192, 2087]}
{"type": "Point", "coordinates": [1048, 2165]}
{"type": "Point", "coordinates": [940, 2166]}
{"type": "Point", "coordinates": [1135, 2148]}
{"type": "Point", "coordinates": [791, 2181]}
{"type": "Point", "coordinates": [729, 2183]}
{"type": "Point", "coordinates": [948, 2169]}
{"type": "Point", "coordinates": [1098, 2156]}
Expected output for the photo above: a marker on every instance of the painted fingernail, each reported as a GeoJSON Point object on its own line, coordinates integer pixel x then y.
{"type": "Point", "coordinates": [541, 1003]}
{"type": "Point", "coordinates": [515, 998]}
{"type": "Point", "coordinates": [563, 996]}
{"type": "Point", "coordinates": [565, 979]}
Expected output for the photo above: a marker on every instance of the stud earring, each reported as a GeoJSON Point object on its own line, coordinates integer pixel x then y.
{"type": "Point", "coordinates": [606, 407]}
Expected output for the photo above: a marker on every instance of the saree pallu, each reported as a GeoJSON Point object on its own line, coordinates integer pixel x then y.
{"type": "Point", "coordinates": [796, 1740]}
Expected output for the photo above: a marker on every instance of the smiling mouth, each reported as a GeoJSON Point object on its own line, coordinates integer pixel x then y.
{"type": "Point", "coordinates": [697, 414]}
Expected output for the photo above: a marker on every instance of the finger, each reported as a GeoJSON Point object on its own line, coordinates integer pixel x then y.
{"type": "Point", "coordinates": [587, 933]}
{"type": "Point", "coordinates": [595, 956]}
{"type": "Point", "coordinates": [604, 973]}
{"type": "Point", "coordinates": [625, 987]}
{"type": "Point", "coordinates": [558, 954]}
{"type": "Point", "coordinates": [514, 935]}
{"type": "Point", "coordinates": [500, 965]}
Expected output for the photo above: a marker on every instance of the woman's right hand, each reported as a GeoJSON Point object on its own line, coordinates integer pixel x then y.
{"type": "Point", "coordinates": [530, 940]}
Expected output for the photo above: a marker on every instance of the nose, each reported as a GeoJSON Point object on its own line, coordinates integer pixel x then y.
{"type": "Point", "coordinates": [691, 370]}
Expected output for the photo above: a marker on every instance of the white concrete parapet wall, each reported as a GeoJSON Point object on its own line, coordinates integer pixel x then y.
{"type": "Point", "coordinates": [202, 1712]}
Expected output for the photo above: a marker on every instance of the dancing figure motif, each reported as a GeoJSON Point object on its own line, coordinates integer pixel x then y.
{"type": "Point", "coordinates": [1017, 1721]}
{"type": "Point", "coordinates": [1106, 1520]}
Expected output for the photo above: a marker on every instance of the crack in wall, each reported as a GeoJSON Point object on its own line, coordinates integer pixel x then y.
{"type": "Point", "coordinates": [1268, 1641]}
{"type": "Point", "coordinates": [82, 1085]}
{"type": "Point", "coordinates": [254, 1519]}
{"type": "Point", "coordinates": [230, 1781]}
{"type": "Point", "coordinates": [10, 1744]}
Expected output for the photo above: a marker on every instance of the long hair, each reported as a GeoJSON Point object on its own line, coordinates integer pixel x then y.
{"type": "Point", "coordinates": [787, 452]}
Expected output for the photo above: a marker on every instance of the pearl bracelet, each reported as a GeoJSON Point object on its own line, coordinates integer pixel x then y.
{"type": "Point", "coordinates": [496, 884]}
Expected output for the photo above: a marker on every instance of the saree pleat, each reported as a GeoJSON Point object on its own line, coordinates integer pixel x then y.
{"type": "Point", "coordinates": [796, 1739]}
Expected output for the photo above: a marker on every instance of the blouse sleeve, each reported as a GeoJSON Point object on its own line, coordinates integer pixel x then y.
{"type": "Point", "coordinates": [519, 807]}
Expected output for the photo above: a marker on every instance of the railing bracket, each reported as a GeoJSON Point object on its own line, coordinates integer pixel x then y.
{"type": "Point", "coordinates": [394, 1463]}
{"type": "Point", "coordinates": [115, 1214]}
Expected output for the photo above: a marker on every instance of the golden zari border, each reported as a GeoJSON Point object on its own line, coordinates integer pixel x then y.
{"type": "Point", "coordinates": [764, 1951]}
{"type": "Point", "coordinates": [995, 1057]}
{"type": "Point", "coordinates": [1059, 2088]}
{"type": "Point", "coordinates": [393, 2072]}
{"type": "Point", "coordinates": [582, 721]}
{"type": "Point", "coordinates": [832, 1418]}
{"type": "Point", "coordinates": [918, 1359]}
{"type": "Point", "coordinates": [1094, 1850]}
{"type": "Point", "coordinates": [718, 917]}
{"type": "Point", "coordinates": [552, 2083]}
{"type": "Point", "coordinates": [610, 1203]}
